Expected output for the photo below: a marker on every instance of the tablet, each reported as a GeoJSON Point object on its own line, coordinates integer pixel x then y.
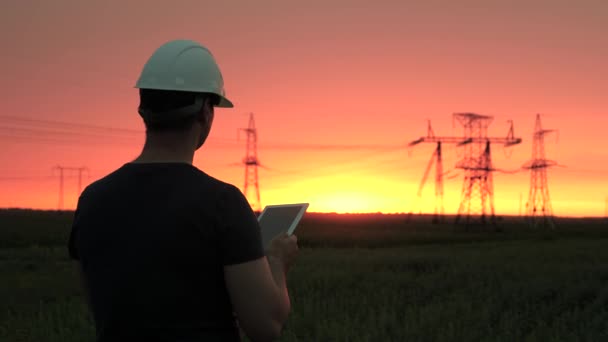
{"type": "Point", "coordinates": [277, 219]}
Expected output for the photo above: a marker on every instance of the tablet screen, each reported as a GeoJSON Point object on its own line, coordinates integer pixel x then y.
{"type": "Point", "coordinates": [277, 219]}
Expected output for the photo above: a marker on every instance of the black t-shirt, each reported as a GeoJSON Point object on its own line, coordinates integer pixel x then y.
{"type": "Point", "coordinates": [152, 240]}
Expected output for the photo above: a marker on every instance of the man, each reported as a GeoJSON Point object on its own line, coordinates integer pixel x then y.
{"type": "Point", "coordinates": [167, 252]}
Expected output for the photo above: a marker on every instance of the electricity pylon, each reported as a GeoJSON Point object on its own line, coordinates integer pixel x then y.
{"type": "Point", "coordinates": [538, 208]}
{"type": "Point", "coordinates": [437, 160]}
{"type": "Point", "coordinates": [251, 163]}
{"type": "Point", "coordinates": [477, 198]}
{"type": "Point", "coordinates": [61, 180]}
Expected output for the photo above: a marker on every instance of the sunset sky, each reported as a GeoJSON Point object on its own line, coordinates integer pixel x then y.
{"type": "Point", "coordinates": [338, 88]}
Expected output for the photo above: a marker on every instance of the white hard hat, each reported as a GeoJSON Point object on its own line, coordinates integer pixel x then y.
{"type": "Point", "coordinates": [184, 65]}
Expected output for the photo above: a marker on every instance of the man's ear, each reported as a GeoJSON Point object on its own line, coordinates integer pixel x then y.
{"type": "Point", "coordinates": [208, 105]}
{"type": "Point", "coordinates": [206, 113]}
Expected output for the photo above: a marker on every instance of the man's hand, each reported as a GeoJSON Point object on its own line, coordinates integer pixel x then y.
{"type": "Point", "coordinates": [258, 289]}
{"type": "Point", "coordinates": [283, 249]}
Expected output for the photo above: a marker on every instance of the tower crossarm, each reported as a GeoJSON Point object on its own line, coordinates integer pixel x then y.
{"type": "Point", "coordinates": [443, 140]}
{"type": "Point", "coordinates": [538, 163]}
{"type": "Point", "coordinates": [463, 140]}
{"type": "Point", "coordinates": [544, 132]}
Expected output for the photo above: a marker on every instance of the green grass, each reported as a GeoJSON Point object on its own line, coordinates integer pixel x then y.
{"type": "Point", "coordinates": [438, 285]}
{"type": "Point", "coordinates": [23, 228]}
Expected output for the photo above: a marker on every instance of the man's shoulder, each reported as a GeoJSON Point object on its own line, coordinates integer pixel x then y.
{"type": "Point", "coordinates": [197, 179]}
{"type": "Point", "coordinates": [212, 182]}
{"type": "Point", "coordinates": [104, 181]}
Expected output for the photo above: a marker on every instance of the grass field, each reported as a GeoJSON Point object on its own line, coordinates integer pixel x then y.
{"type": "Point", "coordinates": [361, 278]}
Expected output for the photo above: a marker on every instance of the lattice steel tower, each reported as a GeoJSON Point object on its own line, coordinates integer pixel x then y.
{"type": "Point", "coordinates": [62, 170]}
{"type": "Point", "coordinates": [477, 198]}
{"type": "Point", "coordinates": [538, 208]}
{"type": "Point", "coordinates": [477, 190]}
{"type": "Point", "coordinates": [437, 160]}
{"type": "Point", "coordinates": [251, 163]}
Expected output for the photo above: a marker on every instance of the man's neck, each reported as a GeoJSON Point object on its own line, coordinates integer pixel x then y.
{"type": "Point", "coordinates": [167, 148]}
{"type": "Point", "coordinates": [162, 152]}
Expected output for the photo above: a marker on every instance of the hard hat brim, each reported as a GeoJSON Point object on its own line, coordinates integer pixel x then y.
{"type": "Point", "coordinates": [225, 103]}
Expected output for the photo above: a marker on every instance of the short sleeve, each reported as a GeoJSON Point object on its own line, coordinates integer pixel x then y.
{"type": "Point", "coordinates": [240, 236]}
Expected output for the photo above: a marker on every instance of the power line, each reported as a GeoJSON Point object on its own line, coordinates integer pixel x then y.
{"type": "Point", "coordinates": [342, 170]}
{"type": "Point", "coordinates": [340, 162]}
{"type": "Point", "coordinates": [58, 141]}
{"type": "Point", "coordinates": [329, 147]}
{"type": "Point", "coordinates": [19, 123]}
{"type": "Point", "coordinates": [37, 131]}
{"type": "Point", "coordinates": [22, 129]}
{"type": "Point", "coordinates": [592, 171]}
{"type": "Point", "coordinates": [28, 130]}
{"type": "Point", "coordinates": [32, 135]}
{"type": "Point", "coordinates": [25, 178]}
{"type": "Point", "coordinates": [67, 124]}
{"type": "Point", "coordinates": [342, 167]}
{"type": "Point", "coordinates": [347, 166]}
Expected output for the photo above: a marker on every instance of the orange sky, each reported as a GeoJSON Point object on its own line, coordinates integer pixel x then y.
{"type": "Point", "coordinates": [317, 72]}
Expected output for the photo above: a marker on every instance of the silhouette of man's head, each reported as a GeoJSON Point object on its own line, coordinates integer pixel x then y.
{"type": "Point", "coordinates": [165, 111]}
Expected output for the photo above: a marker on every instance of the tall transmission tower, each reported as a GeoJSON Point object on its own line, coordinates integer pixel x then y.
{"type": "Point", "coordinates": [477, 198]}
{"type": "Point", "coordinates": [538, 208]}
{"type": "Point", "coordinates": [437, 160]}
{"type": "Point", "coordinates": [251, 163]}
{"type": "Point", "coordinates": [478, 191]}
{"type": "Point", "coordinates": [62, 170]}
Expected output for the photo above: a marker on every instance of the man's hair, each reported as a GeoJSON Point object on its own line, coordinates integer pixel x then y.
{"type": "Point", "coordinates": [164, 101]}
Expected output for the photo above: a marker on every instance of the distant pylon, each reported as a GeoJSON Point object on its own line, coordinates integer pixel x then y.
{"type": "Point", "coordinates": [251, 163]}
{"type": "Point", "coordinates": [439, 208]}
{"type": "Point", "coordinates": [538, 208]}
{"type": "Point", "coordinates": [520, 203]}
{"type": "Point", "coordinates": [477, 198]}
{"type": "Point", "coordinates": [61, 181]}
{"type": "Point", "coordinates": [477, 163]}
{"type": "Point", "coordinates": [477, 194]}
{"type": "Point", "coordinates": [437, 160]}
{"type": "Point", "coordinates": [60, 204]}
